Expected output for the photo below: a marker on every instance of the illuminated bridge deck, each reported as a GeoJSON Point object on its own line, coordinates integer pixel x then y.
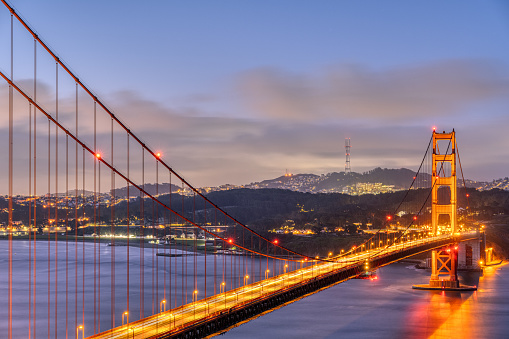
{"type": "Point", "coordinates": [178, 320]}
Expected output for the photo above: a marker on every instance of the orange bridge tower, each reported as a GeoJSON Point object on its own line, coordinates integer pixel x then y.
{"type": "Point", "coordinates": [444, 262]}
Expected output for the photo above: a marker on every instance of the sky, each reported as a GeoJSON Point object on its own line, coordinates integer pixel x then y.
{"type": "Point", "coordinates": [236, 91]}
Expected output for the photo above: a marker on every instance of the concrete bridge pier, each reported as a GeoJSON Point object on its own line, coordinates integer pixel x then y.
{"type": "Point", "coordinates": [472, 255]}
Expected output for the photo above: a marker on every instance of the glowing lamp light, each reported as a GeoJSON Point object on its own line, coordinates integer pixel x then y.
{"type": "Point", "coordinates": [158, 155]}
{"type": "Point", "coordinates": [98, 155]}
{"type": "Point", "coordinates": [230, 241]}
{"type": "Point", "coordinates": [415, 217]}
{"type": "Point", "coordinates": [468, 195]}
{"type": "Point", "coordinates": [276, 241]}
{"type": "Point", "coordinates": [389, 217]}
{"type": "Point", "coordinates": [434, 128]}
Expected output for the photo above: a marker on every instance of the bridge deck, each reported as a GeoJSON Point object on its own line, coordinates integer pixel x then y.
{"type": "Point", "coordinates": [196, 312]}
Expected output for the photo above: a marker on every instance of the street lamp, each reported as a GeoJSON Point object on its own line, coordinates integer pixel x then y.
{"type": "Point", "coordinates": [222, 287]}
{"type": "Point", "coordinates": [267, 273]}
{"type": "Point", "coordinates": [126, 316]}
{"type": "Point", "coordinates": [285, 267]}
{"type": "Point", "coordinates": [195, 298]}
{"type": "Point", "coordinates": [161, 305]}
{"type": "Point", "coordinates": [246, 277]}
{"type": "Point", "coordinates": [82, 329]}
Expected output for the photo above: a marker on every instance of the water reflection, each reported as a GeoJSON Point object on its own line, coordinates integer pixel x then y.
{"type": "Point", "coordinates": [389, 308]}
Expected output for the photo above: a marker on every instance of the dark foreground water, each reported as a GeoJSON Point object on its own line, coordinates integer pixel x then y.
{"type": "Point", "coordinates": [385, 308]}
{"type": "Point", "coordinates": [389, 308]}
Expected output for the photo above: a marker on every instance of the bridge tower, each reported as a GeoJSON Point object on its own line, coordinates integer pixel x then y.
{"type": "Point", "coordinates": [444, 262]}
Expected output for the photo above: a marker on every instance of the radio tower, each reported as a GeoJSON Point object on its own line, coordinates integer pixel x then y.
{"type": "Point", "coordinates": [347, 153]}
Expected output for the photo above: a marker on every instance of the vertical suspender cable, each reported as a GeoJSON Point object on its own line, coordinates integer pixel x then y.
{"type": "Point", "coordinates": [215, 253]}
{"type": "Point", "coordinates": [112, 209]}
{"type": "Point", "coordinates": [76, 220]}
{"type": "Point", "coordinates": [11, 118]}
{"type": "Point", "coordinates": [35, 188]}
{"type": "Point", "coordinates": [171, 258]}
{"type": "Point", "coordinates": [155, 228]}
{"type": "Point", "coordinates": [142, 237]}
{"type": "Point", "coordinates": [234, 257]}
{"type": "Point", "coordinates": [66, 235]}
{"type": "Point", "coordinates": [195, 282]}
{"type": "Point", "coordinates": [153, 256]}
{"type": "Point", "coordinates": [56, 200]}
{"type": "Point", "coordinates": [128, 234]}
{"type": "Point", "coordinates": [48, 206]}
{"type": "Point", "coordinates": [29, 327]}
{"type": "Point", "coordinates": [224, 245]}
{"type": "Point", "coordinates": [83, 242]}
{"type": "Point", "coordinates": [184, 273]}
{"type": "Point", "coordinates": [99, 250]}
{"type": "Point", "coordinates": [205, 248]}
{"type": "Point", "coordinates": [95, 218]}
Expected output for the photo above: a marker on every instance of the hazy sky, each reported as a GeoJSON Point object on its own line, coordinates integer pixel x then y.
{"type": "Point", "coordinates": [238, 91]}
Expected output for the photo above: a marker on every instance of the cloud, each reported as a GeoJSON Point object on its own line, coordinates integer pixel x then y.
{"type": "Point", "coordinates": [358, 94]}
{"type": "Point", "coordinates": [300, 123]}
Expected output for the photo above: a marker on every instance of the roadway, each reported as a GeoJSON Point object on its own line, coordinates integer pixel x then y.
{"type": "Point", "coordinates": [191, 313]}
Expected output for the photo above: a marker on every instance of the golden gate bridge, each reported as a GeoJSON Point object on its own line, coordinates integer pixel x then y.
{"type": "Point", "coordinates": [188, 287]}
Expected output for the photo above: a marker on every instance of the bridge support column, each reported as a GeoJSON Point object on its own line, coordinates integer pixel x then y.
{"type": "Point", "coordinates": [472, 255]}
{"type": "Point", "coordinates": [444, 268]}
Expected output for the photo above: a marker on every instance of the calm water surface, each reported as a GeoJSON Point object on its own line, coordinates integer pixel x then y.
{"type": "Point", "coordinates": [389, 308]}
{"type": "Point", "coordinates": [94, 303]}
{"type": "Point", "coordinates": [385, 308]}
